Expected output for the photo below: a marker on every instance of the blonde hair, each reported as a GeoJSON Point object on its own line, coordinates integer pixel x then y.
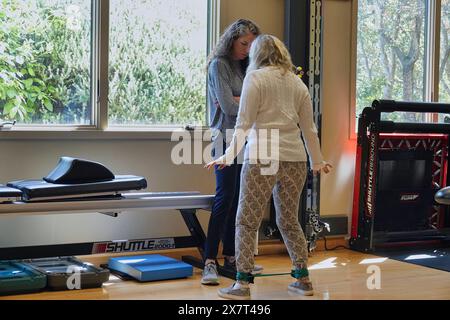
{"type": "Point", "coordinates": [233, 32]}
{"type": "Point", "coordinates": [268, 50]}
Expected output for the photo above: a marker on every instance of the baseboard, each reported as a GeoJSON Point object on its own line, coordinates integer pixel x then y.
{"type": "Point", "coordinates": [338, 227]}
{"type": "Point", "coordinates": [271, 247]}
{"type": "Point", "coordinates": [331, 243]}
{"type": "Point", "coordinates": [98, 259]}
{"type": "Point", "coordinates": [266, 247]}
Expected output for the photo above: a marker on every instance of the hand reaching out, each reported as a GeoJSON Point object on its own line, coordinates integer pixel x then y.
{"type": "Point", "coordinates": [323, 167]}
{"type": "Point", "coordinates": [220, 162]}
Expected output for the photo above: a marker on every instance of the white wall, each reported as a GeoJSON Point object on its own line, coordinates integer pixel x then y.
{"type": "Point", "coordinates": [338, 148]}
{"type": "Point", "coordinates": [267, 14]}
{"type": "Point", "coordinates": [31, 158]}
{"type": "Point", "coordinates": [23, 159]}
{"type": "Point", "coordinates": [152, 159]}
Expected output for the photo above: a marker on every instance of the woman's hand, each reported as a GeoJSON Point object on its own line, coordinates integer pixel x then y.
{"type": "Point", "coordinates": [237, 99]}
{"type": "Point", "coordinates": [324, 166]}
{"type": "Point", "coordinates": [220, 162]}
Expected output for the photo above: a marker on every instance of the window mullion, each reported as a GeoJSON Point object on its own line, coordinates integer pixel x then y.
{"type": "Point", "coordinates": [429, 50]}
{"type": "Point", "coordinates": [95, 27]}
{"type": "Point", "coordinates": [437, 50]}
{"type": "Point", "coordinates": [213, 37]}
{"type": "Point", "coordinates": [214, 23]}
{"type": "Point", "coordinates": [432, 51]}
{"type": "Point", "coordinates": [102, 54]}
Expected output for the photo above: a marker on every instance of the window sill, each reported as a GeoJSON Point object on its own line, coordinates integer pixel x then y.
{"type": "Point", "coordinates": [161, 134]}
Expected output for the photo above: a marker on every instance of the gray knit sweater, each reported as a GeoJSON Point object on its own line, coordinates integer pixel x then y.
{"type": "Point", "coordinates": [225, 79]}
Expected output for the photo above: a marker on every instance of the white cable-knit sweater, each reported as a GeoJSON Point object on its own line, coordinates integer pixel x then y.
{"type": "Point", "coordinates": [274, 99]}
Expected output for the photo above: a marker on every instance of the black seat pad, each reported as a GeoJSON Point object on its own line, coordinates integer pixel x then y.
{"type": "Point", "coordinates": [35, 189]}
{"type": "Point", "coordinates": [6, 192]}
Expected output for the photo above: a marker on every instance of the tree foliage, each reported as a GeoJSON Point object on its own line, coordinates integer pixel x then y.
{"type": "Point", "coordinates": [156, 77]}
{"type": "Point", "coordinates": [392, 56]}
{"type": "Point", "coordinates": [45, 64]}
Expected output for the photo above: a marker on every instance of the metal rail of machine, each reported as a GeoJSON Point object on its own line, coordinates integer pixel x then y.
{"type": "Point", "coordinates": [187, 203]}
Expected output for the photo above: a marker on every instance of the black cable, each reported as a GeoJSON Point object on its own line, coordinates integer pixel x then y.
{"type": "Point", "coordinates": [331, 249]}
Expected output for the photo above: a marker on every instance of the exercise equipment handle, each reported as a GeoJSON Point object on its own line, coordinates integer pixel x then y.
{"type": "Point", "coordinates": [393, 106]}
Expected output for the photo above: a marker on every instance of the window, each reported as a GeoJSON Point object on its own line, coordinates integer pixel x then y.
{"type": "Point", "coordinates": [157, 68]}
{"type": "Point", "coordinates": [45, 61]}
{"type": "Point", "coordinates": [396, 51]}
{"type": "Point", "coordinates": [50, 57]}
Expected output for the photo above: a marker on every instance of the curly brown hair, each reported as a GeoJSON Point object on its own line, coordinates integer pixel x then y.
{"type": "Point", "coordinates": [237, 29]}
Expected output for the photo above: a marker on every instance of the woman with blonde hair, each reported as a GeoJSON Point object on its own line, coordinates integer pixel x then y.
{"type": "Point", "coordinates": [273, 99]}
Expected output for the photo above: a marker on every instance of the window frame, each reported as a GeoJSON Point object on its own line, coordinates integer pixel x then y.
{"type": "Point", "coordinates": [99, 127]}
{"type": "Point", "coordinates": [432, 57]}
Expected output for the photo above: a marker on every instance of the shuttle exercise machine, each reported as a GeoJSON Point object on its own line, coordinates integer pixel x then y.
{"type": "Point", "coordinates": [81, 186]}
{"type": "Point", "coordinates": [399, 168]}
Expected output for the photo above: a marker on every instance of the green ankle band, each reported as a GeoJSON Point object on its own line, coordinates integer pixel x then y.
{"type": "Point", "coordinates": [300, 273]}
{"type": "Point", "coordinates": [247, 277]}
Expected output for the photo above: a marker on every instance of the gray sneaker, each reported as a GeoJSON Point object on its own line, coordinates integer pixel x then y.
{"type": "Point", "coordinates": [210, 275]}
{"type": "Point", "coordinates": [303, 288]}
{"type": "Point", "coordinates": [257, 269]}
{"type": "Point", "coordinates": [234, 294]}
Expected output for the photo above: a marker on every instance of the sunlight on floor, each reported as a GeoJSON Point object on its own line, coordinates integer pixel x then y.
{"type": "Point", "coordinates": [373, 260]}
{"type": "Point", "coordinates": [326, 264]}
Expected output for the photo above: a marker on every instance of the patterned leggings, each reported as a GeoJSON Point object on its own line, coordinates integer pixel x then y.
{"type": "Point", "coordinates": [256, 189]}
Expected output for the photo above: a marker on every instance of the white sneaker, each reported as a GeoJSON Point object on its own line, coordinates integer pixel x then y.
{"type": "Point", "coordinates": [303, 288]}
{"type": "Point", "coordinates": [235, 294]}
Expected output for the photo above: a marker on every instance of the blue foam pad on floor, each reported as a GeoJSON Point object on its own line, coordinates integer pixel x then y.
{"type": "Point", "coordinates": [151, 267]}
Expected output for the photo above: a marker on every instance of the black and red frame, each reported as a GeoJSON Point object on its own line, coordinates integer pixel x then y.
{"type": "Point", "coordinates": [376, 136]}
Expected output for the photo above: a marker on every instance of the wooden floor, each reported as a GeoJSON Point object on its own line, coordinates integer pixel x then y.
{"type": "Point", "coordinates": [336, 275]}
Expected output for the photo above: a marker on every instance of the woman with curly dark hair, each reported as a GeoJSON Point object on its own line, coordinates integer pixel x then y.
{"type": "Point", "coordinates": [227, 66]}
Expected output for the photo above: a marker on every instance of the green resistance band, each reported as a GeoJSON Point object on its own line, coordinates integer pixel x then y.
{"type": "Point", "coordinates": [248, 277]}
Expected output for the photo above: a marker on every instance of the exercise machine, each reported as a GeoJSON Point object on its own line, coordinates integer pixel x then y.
{"type": "Point", "coordinates": [83, 186]}
{"type": "Point", "coordinates": [399, 168]}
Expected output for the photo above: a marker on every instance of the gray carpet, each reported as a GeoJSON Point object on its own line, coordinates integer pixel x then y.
{"type": "Point", "coordinates": [437, 258]}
